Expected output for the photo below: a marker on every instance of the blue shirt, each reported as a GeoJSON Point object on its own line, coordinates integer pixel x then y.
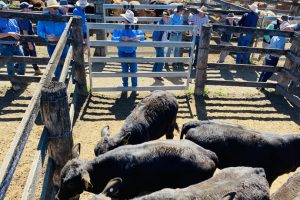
{"type": "Point", "coordinates": [175, 19]}
{"type": "Point", "coordinates": [249, 20]}
{"type": "Point", "coordinates": [50, 28]}
{"type": "Point", "coordinates": [277, 42]}
{"type": "Point", "coordinates": [157, 35]}
{"type": "Point", "coordinates": [25, 25]}
{"type": "Point", "coordinates": [117, 34]}
{"type": "Point", "coordinates": [78, 11]}
{"type": "Point", "coordinates": [8, 25]}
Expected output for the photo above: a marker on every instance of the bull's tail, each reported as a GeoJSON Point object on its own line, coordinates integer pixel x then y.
{"type": "Point", "coordinates": [176, 127]}
{"type": "Point", "coordinates": [183, 132]}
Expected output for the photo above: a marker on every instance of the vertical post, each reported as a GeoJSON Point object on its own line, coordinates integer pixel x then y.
{"type": "Point", "coordinates": [78, 56]}
{"type": "Point", "coordinates": [295, 8]}
{"type": "Point", "coordinates": [56, 118]}
{"type": "Point", "coordinates": [202, 59]}
{"type": "Point", "coordinates": [100, 34]}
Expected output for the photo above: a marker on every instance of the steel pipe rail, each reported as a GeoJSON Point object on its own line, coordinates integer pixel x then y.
{"type": "Point", "coordinates": [140, 74]}
{"type": "Point", "coordinates": [140, 59]}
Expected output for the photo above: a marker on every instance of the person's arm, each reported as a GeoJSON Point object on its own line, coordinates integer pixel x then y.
{"type": "Point", "coordinates": [139, 36]}
{"type": "Point", "coordinates": [116, 35]}
{"type": "Point", "coordinates": [41, 31]}
{"type": "Point", "coordinates": [242, 20]}
{"type": "Point", "coordinates": [191, 20]}
{"type": "Point", "coordinates": [10, 34]}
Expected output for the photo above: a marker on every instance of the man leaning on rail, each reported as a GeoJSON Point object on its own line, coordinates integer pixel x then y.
{"type": "Point", "coordinates": [10, 28]}
{"type": "Point", "coordinates": [51, 32]}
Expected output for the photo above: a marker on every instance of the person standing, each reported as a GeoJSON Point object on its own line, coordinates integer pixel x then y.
{"type": "Point", "coordinates": [198, 20]}
{"type": "Point", "coordinates": [160, 36]}
{"type": "Point", "coordinates": [128, 35]}
{"type": "Point", "coordinates": [80, 11]}
{"type": "Point", "coordinates": [248, 20]}
{"type": "Point", "coordinates": [9, 29]}
{"type": "Point", "coordinates": [51, 32]}
{"type": "Point", "coordinates": [27, 29]}
{"type": "Point", "coordinates": [65, 6]}
{"type": "Point", "coordinates": [226, 37]}
{"type": "Point", "coordinates": [176, 19]}
{"type": "Point", "coordinates": [277, 42]}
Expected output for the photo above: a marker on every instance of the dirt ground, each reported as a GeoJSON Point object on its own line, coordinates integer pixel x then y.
{"type": "Point", "coordinates": [267, 112]}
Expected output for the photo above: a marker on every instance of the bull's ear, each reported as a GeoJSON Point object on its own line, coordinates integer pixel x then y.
{"type": "Point", "coordinates": [229, 196]}
{"type": "Point", "coordinates": [125, 138]}
{"type": "Point", "coordinates": [112, 187]}
{"type": "Point", "coordinates": [76, 151]}
{"type": "Point", "coordinates": [85, 177]}
{"type": "Point", "coordinates": [105, 131]}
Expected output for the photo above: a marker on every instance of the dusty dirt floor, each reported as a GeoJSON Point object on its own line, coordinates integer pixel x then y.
{"type": "Point", "coordinates": [267, 112]}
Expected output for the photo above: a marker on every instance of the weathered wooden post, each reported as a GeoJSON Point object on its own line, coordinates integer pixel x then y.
{"type": "Point", "coordinates": [202, 59]}
{"type": "Point", "coordinates": [78, 56]}
{"type": "Point", "coordinates": [55, 115]}
{"type": "Point", "coordinates": [100, 34]}
{"type": "Point", "coordinates": [295, 8]}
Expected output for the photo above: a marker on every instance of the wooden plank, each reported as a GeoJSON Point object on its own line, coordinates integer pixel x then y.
{"type": "Point", "coordinates": [16, 148]}
{"type": "Point", "coordinates": [241, 83]}
{"type": "Point", "coordinates": [23, 59]}
{"type": "Point", "coordinates": [138, 88]}
{"type": "Point", "coordinates": [293, 57]}
{"type": "Point", "coordinates": [221, 11]}
{"type": "Point", "coordinates": [20, 78]}
{"type": "Point", "coordinates": [290, 97]}
{"type": "Point", "coordinates": [101, 43]}
{"type": "Point", "coordinates": [140, 59]}
{"type": "Point", "coordinates": [139, 74]}
{"type": "Point", "coordinates": [256, 31]}
{"type": "Point", "coordinates": [265, 68]}
{"type": "Point", "coordinates": [293, 77]}
{"type": "Point", "coordinates": [139, 7]}
{"type": "Point", "coordinates": [34, 16]}
{"type": "Point", "coordinates": [247, 49]}
{"type": "Point", "coordinates": [30, 38]}
{"type": "Point", "coordinates": [66, 65]}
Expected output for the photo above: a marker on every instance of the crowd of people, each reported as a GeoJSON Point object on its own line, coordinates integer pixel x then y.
{"type": "Point", "coordinates": [51, 31]}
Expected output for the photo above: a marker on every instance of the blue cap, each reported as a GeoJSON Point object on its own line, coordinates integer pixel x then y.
{"type": "Point", "coordinates": [25, 5]}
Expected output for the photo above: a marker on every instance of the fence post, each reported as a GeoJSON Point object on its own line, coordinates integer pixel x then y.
{"type": "Point", "coordinates": [100, 34]}
{"type": "Point", "coordinates": [202, 59]}
{"type": "Point", "coordinates": [56, 118]}
{"type": "Point", "coordinates": [78, 56]}
{"type": "Point", "coordinates": [295, 8]}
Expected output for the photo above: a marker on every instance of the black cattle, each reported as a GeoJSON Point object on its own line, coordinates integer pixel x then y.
{"type": "Point", "coordinates": [238, 146]}
{"type": "Point", "coordinates": [110, 189]}
{"type": "Point", "coordinates": [153, 117]}
{"type": "Point", "coordinates": [235, 183]}
{"type": "Point", "coordinates": [289, 190]}
{"type": "Point", "coordinates": [146, 167]}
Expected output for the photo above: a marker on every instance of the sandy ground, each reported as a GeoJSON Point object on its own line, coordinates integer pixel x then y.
{"type": "Point", "coordinates": [266, 112]}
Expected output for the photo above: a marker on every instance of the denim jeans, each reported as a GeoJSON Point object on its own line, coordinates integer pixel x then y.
{"type": "Point", "coordinates": [176, 37]}
{"type": "Point", "coordinates": [28, 52]}
{"type": "Point", "coordinates": [272, 61]}
{"type": "Point", "coordinates": [12, 50]}
{"type": "Point", "coordinates": [157, 67]}
{"type": "Point", "coordinates": [59, 67]}
{"type": "Point", "coordinates": [224, 53]}
{"type": "Point", "coordinates": [243, 41]}
{"type": "Point", "coordinates": [197, 39]}
{"type": "Point", "coordinates": [128, 66]}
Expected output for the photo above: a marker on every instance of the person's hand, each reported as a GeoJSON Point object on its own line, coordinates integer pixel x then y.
{"type": "Point", "coordinates": [137, 38]}
{"type": "Point", "coordinates": [125, 38]}
{"type": "Point", "coordinates": [14, 35]}
{"type": "Point", "coordinates": [51, 38]}
{"type": "Point", "coordinates": [30, 46]}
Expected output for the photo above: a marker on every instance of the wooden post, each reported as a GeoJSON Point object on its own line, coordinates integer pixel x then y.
{"type": "Point", "coordinates": [202, 59]}
{"type": "Point", "coordinates": [55, 115]}
{"type": "Point", "coordinates": [100, 34]}
{"type": "Point", "coordinates": [78, 56]}
{"type": "Point", "coordinates": [295, 8]}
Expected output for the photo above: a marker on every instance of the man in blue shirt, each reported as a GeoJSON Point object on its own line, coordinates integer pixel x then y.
{"type": "Point", "coordinates": [51, 32]}
{"type": "Point", "coordinates": [128, 35]}
{"type": "Point", "coordinates": [176, 19]}
{"type": "Point", "coordinates": [26, 29]}
{"type": "Point", "coordinates": [277, 42]}
{"type": "Point", "coordinates": [9, 29]}
{"type": "Point", "coordinates": [248, 20]}
{"type": "Point", "coordinates": [80, 11]}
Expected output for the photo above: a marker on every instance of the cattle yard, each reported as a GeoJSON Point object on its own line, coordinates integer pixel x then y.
{"type": "Point", "coordinates": [27, 174]}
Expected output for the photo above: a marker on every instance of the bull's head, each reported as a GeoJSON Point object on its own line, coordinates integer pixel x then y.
{"type": "Point", "coordinates": [74, 179]}
{"type": "Point", "coordinates": [108, 143]}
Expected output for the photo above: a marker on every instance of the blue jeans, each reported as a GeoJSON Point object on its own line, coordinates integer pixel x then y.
{"type": "Point", "coordinates": [196, 50]}
{"type": "Point", "coordinates": [272, 61]}
{"type": "Point", "coordinates": [243, 41]}
{"type": "Point", "coordinates": [157, 67]}
{"type": "Point", "coordinates": [28, 52]}
{"type": "Point", "coordinates": [128, 66]}
{"type": "Point", "coordinates": [59, 67]}
{"type": "Point", "coordinates": [174, 37]}
{"type": "Point", "coordinates": [12, 50]}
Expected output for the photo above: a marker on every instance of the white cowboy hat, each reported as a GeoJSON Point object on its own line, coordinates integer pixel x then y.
{"type": "Point", "coordinates": [283, 25]}
{"type": "Point", "coordinates": [82, 3]}
{"type": "Point", "coordinates": [253, 7]}
{"type": "Point", "coordinates": [129, 16]}
{"type": "Point", "coordinates": [52, 4]}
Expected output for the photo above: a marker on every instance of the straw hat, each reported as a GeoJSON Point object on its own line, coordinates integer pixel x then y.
{"type": "Point", "coordinates": [52, 4]}
{"type": "Point", "coordinates": [253, 7]}
{"type": "Point", "coordinates": [82, 3]}
{"type": "Point", "coordinates": [129, 16]}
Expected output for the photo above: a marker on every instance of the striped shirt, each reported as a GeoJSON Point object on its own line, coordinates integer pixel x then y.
{"type": "Point", "coordinates": [198, 21]}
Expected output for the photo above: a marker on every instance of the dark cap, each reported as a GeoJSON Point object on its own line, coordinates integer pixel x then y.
{"type": "Point", "coordinates": [24, 5]}
{"type": "Point", "coordinates": [179, 8]}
